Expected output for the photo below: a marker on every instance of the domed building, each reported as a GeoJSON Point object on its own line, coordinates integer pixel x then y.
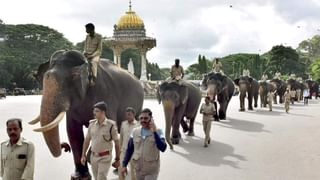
{"type": "Point", "coordinates": [130, 33]}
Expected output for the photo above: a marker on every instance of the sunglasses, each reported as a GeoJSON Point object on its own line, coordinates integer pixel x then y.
{"type": "Point", "coordinates": [143, 118]}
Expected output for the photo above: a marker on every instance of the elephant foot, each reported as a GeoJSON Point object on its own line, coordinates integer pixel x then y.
{"type": "Point", "coordinates": [77, 176]}
{"type": "Point", "coordinates": [216, 119]}
{"type": "Point", "coordinates": [175, 140]}
{"type": "Point", "coordinates": [185, 130]}
{"type": "Point", "coordinates": [250, 108]}
{"type": "Point", "coordinates": [255, 106]}
{"type": "Point", "coordinates": [241, 109]}
{"type": "Point", "coordinates": [191, 133]}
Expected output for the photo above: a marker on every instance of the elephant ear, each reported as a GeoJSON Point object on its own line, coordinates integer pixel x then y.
{"type": "Point", "coordinates": [80, 78]}
{"type": "Point", "coordinates": [43, 68]}
{"type": "Point", "coordinates": [184, 94]}
{"type": "Point", "coordinates": [236, 81]}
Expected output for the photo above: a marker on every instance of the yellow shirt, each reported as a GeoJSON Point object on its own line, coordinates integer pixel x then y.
{"type": "Point", "coordinates": [101, 138]}
{"type": "Point", "coordinates": [125, 132]}
{"type": "Point", "coordinates": [17, 161]}
{"type": "Point", "coordinates": [176, 71]}
{"type": "Point", "coordinates": [93, 45]}
{"type": "Point", "coordinates": [207, 109]}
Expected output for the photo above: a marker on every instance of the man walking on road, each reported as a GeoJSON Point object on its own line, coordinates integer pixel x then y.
{"type": "Point", "coordinates": [144, 147]}
{"type": "Point", "coordinates": [125, 132]}
{"type": "Point", "coordinates": [101, 133]}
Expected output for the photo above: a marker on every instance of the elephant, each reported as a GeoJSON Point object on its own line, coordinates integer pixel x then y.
{"type": "Point", "coordinates": [179, 99]}
{"type": "Point", "coordinates": [313, 87]}
{"type": "Point", "coordinates": [293, 84]}
{"type": "Point", "coordinates": [66, 90]}
{"type": "Point", "coordinates": [264, 88]}
{"type": "Point", "coordinates": [280, 89]}
{"type": "Point", "coordinates": [247, 86]}
{"type": "Point", "coordinates": [220, 85]}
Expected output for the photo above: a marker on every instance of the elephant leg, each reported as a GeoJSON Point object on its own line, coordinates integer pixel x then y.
{"type": "Point", "coordinates": [191, 132]}
{"type": "Point", "coordinates": [184, 125]}
{"type": "Point", "coordinates": [175, 137]}
{"type": "Point", "coordinates": [242, 98]}
{"type": "Point", "coordinates": [76, 138]}
{"type": "Point", "coordinates": [215, 116]}
{"type": "Point", "coordinates": [250, 102]}
{"type": "Point", "coordinates": [256, 101]}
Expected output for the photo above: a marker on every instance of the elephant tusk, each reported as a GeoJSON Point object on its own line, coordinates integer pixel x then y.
{"type": "Point", "coordinates": [35, 121]}
{"type": "Point", "coordinates": [51, 125]}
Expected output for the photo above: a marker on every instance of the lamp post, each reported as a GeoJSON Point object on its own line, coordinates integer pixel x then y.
{"type": "Point", "coordinates": [149, 75]}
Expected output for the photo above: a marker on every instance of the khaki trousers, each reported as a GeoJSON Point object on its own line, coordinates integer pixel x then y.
{"type": "Point", "coordinates": [270, 105]}
{"type": "Point", "coordinates": [100, 167]}
{"type": "Point", "coordinates": [94, 65]}
{"type": "Point", "coordinates": [286, 105]}
{"type": "Point", "coordinates": [206, 128]}
{"type": "Point", "coordinates": [132, 168]}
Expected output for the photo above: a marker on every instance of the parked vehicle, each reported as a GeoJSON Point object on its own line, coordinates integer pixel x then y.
{"type": "Point", "coordinates": [19, 91]}
{"type": "Point", "coordinates": [3, 93]}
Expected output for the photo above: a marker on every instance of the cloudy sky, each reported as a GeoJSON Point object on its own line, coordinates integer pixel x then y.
{"type": "Point", "coordinates": [183, 28]}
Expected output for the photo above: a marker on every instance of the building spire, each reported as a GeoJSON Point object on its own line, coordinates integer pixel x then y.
{"type": "Point", "coordinates": [130, 5]}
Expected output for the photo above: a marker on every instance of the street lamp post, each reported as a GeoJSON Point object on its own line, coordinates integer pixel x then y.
{"type": "Point", "coordinates": [149, 75]}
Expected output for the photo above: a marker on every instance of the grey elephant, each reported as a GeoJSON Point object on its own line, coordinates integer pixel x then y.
{"type": "Point", "coordinates": [280, 88]}
{"type": "Point", "coordinates": [248, 87]}
{"type": "Point", "coordinates": [179, 100]}
{"type": "Point", "coordinates": [264, 88]}
{"type": "Point", "coordinates": [221, 87]}
{"type": "Point", "coordinates": [66, 91]}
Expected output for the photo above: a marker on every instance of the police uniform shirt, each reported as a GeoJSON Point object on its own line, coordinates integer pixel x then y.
{"type": "Point", "coordinates": [207, 109]}
{"type": "Point", "coordinates": [17, 161]}
{"type": "Point", "coordinates": [125, 132]}
{"type": "Point", "coordinates": [93, 45]}
{"type": "Point", "coordinates": [176, 71]}
{"type": "Point", "coordinates": [101, 135]}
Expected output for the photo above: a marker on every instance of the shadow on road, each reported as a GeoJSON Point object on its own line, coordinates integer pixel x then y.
{"type": "Point", "coordinates": [216, 154]}
{"type": "Point", "coordinates": [266, 112]}
{"type": "Point", "coordinates": [243, 125]}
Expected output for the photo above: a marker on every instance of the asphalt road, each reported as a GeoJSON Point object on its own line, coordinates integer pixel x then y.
{"type": "Point", "coordinates": [251, 145]}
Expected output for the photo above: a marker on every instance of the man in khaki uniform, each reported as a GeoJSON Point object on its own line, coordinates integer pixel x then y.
{"type": "Point", "coordinates": [287, 99]}
{"type": "Point", "coordinates": [144, 145]}
{"type": "Point", "coordinates": [125, 132]}
{"type": "Point", "coordinates": [208, 110]}
{"type": "Point", "coordinates": [101, 133]}
{"type": "Point", "coordinates": [17, 154]}
{"type": "Point", "coordinates": [92, 50]}
{"type": "Point", "coordinates": [176, 71]}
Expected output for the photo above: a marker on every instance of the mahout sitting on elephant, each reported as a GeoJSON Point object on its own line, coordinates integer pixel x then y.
{"type": "Point", "coordinates": [248, 87]}
{"type": "Point", "coordinates": [66, 90]}
{"type": "Point", "coordinates": [221, 87]}
{"type": "Point", "coordinates": [179, 99]}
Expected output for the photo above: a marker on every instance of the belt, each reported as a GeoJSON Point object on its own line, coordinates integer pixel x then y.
{"type": "Point", "coordinates": [100, 154]}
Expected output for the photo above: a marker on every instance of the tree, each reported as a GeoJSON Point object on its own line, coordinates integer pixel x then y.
{"type": "Point", "coordinates": [26, 46]}
{"type": "Point", "coordinates": [310, 47]}
{"type": "Point", "coordinates": [286, 60]}
{"type": "Point", "coordinates": [315, 69]}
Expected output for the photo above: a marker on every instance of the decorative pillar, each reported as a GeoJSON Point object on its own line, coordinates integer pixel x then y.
{"type": "Point", "coordinates": [117, 56]}
{"type": "Point", "coordinates": [143, 75]}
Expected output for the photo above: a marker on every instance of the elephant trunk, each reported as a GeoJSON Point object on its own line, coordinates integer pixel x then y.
{"type": "Point", "coordinates": [168, 107]}
{"type": "Point", "coordinates": [51, 113]}
{"type": "Point", "coordinates": [212, 91]}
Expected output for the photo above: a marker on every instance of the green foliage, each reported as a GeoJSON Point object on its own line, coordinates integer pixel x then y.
{"type": "Point", "coordinates": [25, 47]}
{"type": "Point", "coordinates": [315, 69]}
{"type": "Point", "coordinates": [310, 47]}
{"type": "Point", "coordinates": [233, 65]}
{"type": "Point", "coordinates": [286, 60]}
{"type": "Point", "coordinates": [196, 71]}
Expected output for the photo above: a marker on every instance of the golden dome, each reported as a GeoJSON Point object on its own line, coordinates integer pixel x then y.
{"type": "Point", "coordinates": [130, 21]}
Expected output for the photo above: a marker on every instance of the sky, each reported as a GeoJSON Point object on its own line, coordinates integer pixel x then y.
{"type": "Point", "coordinates": [183, 28]}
